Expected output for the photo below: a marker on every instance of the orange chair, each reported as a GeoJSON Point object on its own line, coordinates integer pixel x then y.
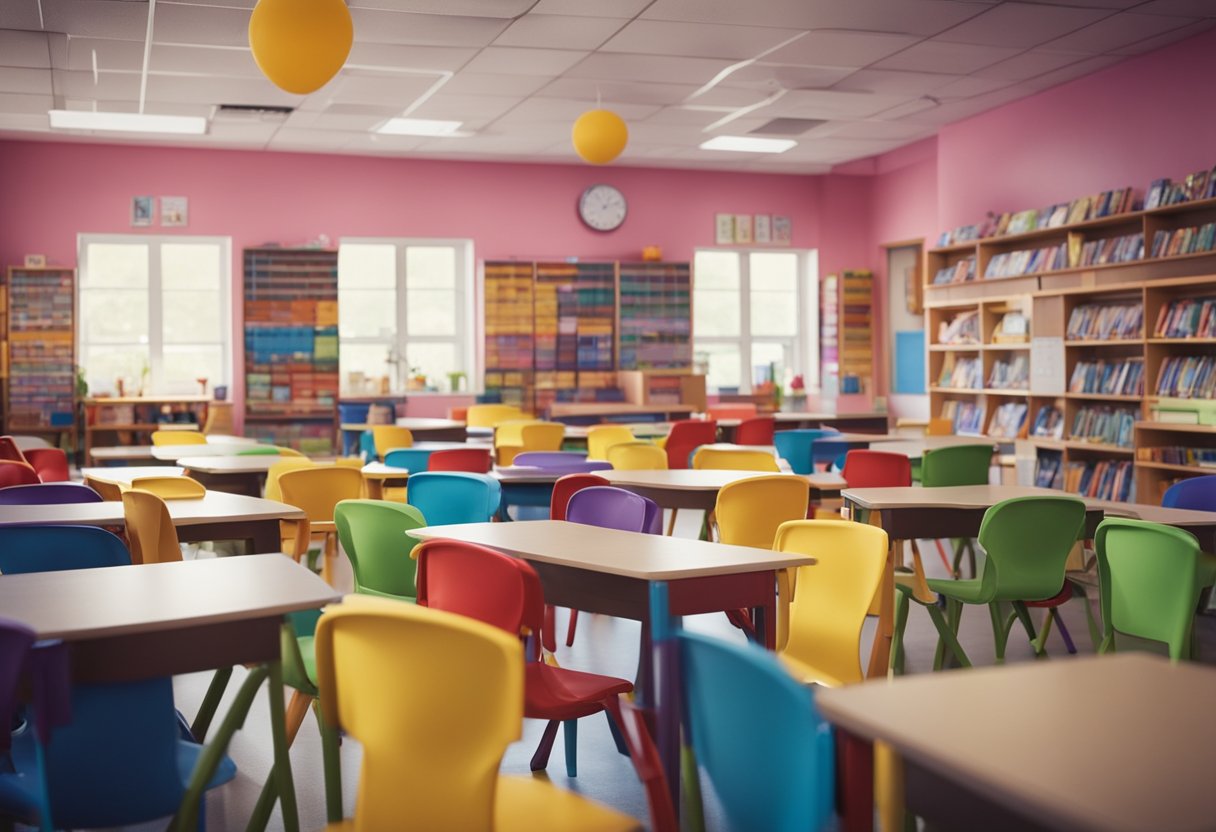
{"type": "Point", "coordinates": [51, 464]}
{"type": "Point", "coordinates": [13, 472]}
{"type": "Point", "coordinates": [757, 431]}
{"type": "Point", "coordinates": [473, 460]}
{"type": "Point", "coordinates": [685, 437]}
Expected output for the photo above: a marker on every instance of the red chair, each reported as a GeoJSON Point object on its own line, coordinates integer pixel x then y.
{"type": "Point", "coordinates": [732, 411]}
{"type": "Point", "coordinates": [9, 450]}
{"type": "Point", "coordinates": [13, 472]}
{"type": "Point", "coordinates": [470, 460]}
{"type": "Point", "coordinates": [757, 431]}
{"type": "Point", "coordinates": [506, 593]}
{"type": "Point", "coordinates": [563, 489]}
{"type": "Point", "coordinates": [876, 469]}
{"type": "Point", "coordinates": [51, 464]}
{"type": "Point", "coordinates": [685, 437]}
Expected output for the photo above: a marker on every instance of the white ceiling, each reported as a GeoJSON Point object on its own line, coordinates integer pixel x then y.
{"type": "Point", "coordinates": [878, 73]}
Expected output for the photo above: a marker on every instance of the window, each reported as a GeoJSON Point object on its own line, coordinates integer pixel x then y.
{"type": "Point", "coordinates": [154, 312]}
{"type": "Point", "coordinates": [404, 312]}
{"type": "Point", "coordinates": [752, 309]}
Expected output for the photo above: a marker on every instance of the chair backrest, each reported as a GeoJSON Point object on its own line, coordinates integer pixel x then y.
{"type": "Point", "coordinates": [939, 426]}
{"type": "Point", "coordinates": [16, 641]}
{"type": "Point", "coordinates": [687, 435]}
{"type": "Point", "coordinates": [150, 530]}
{"type": "Point", "coordinates": [446, 497]}
{"type": "Point", "coordinates": [278, 469]}
{"type": "Point", "coordinates": [609, 508]}
{"type": "Point", "coordinates": [316, 490]}
{"type": "Point", "coordinates": [46, 494]}
{"type": "Point", "coordinates": [602, 437]}
{"type": "Point", "coordinates": [956, 465]}
{"type": "Point", "coordinates": [13, 472]}
{"type": "Point", "coordinates": [489, 415]}
{"type": "Point", "coordinates": [1198, 493]}
{"type": "Point", "coordinates": [1027, 540]}
{"type": "Point", "coordinates": [551, 459]}
{"type": "Point", "coordinates": [1148, 575]}
{"type": "Point", "coordinates": [171, 488]}
{"type": "Point", "coordinates": [388, 437]}
{"type": "Point", "coordinates": [433, 698]}
{"type": "Point", "coordinates": [51, 464]}
{"type": "Point", "coordinates": [56, 548]}
{"type": "Point", "coordinates": [108, 491]}
{"type": "Point", "coordinates": [729, 459]}
{"type": "Point", "coordinates": [25, 442]}
{"type": "Point", "coordinates": [414, 460]}
{"type": "Point", "coordinates": [564, 488]}
{"type": "Point", "coordinates": [473, 460]}
{"type": "Point", "coordinates": [793, 790]}
{"type": "Point", "coordinates": [795, 447]}
{"type": "Point", "coordinates": [731, 411]}
{"type": "Point", "coordinates": [750, 511]}
{"type": "Point", "coordinates": [637, 456]}
{"type": "Point", "coordinates": [876, 469]}
{"type": "Point", "coordinates": [375, 536]}
{"type": "Point", "coordinates": [10, 450]}
{"type": "Point", "coordinates": [509, 439]}
{"type": "Point", "coordinates": [832, 597]}
{"type": "Point", "coordinates": [543, 436]}
{"type": "Point", "coordinates": [756, 431]}
{"type": "Point", "coordinates": [178, 437]}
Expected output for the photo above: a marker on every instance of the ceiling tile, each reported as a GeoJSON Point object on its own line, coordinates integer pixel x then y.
{"type": "Point", "coordinates": [770, 77]}
{"type": "Point", "coordinates": [646, 68]}
{"type": "Point", "coordinates": [518, 61]}
{"type": "Point", "coordinates": [830, 104]}
{"type": "Point", "coordinates": [287, 137]}
{"type": "Point", "coordinates": [591, 8]}
{"type": "Point", "coordinates": [840, 48]}
{"type": "Point", "coordinates": [506, 9]}
{"type": "Point", "coordinates": [471, 109]}
{"type": "Point", "coordinates": [969, 86]}
{"type": "Point", "coordinates": [1068, 73]}
{"type": "Point", "coordinates": [24, 123]}
{"type": "Point", "coordinates": [1149, 44]}
{"type": "Point", "coordinates": [913, 17]}
{"type": "Point", "coordinates": [77, 53]}
{"type": "Point", "coordinates": [203, 60]}
{"type": "Point", "coordinates": [242, 4]}
{"type": "Point", "coordinates": [211, 25]}
{"type": "Point", "coordinates": [96, 18]}
{"type": "Point", "coordinates": [22, 80]}
{"type": "Point", "coordinates": [1021, 24]}
{"type": "Point", "coordinates": [889, 130]}
{"type": "Point", "coordinates": [254, 91]}
{"type": "Point", "coordinates": [392, 89]}
{"type": "Point", "coordinates": [685, 115]}
{"type": "Point", "coordinates": [343, 121]}
{"type": "Point", "coordinates": [953, 58]}
{"type": "Point", "coordinates": [27, 49]}
{"type": "Point", "coordinates": [1028, 65]}
{"type": "Point", "coordinates": [696, 40]}
{"type": "Point", "coordinates": [443, 58]}
{"type": "Point", "coordinates": [1116, 31]}
{"type": "Point", "coordinates": [25, 104]}
{"type": "Point", "coordinates": [567, 31]}
{"type": "Point", "coordinates": [1178, 8]}
{"type": "Point", "coordinates": [1093, 4]}
{"type": "Point", "coordinates": [19, 14]}
{"type": "Point", "coordinates": [379, 26]}
{"type": "Point", "coordinates": [891, 81]}
{"type": "Point", "coordinates": [484, 83]}
{"type": "Point", "coordinates": [109, 86]}
{"type": "Point", "coordinates": [617, 91]}
{"type": "Point", "coordinates": [567, 110]}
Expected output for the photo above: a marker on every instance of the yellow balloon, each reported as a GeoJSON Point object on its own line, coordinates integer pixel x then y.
{"type": "Point", "coordinates": [300, 44]}
{"type": "Point", "coordinates": [599, 136]}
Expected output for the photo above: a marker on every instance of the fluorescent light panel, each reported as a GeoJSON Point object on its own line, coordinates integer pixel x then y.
{"type": "Point", "coordinates": [748, 144]}
{"type": "Point", "coordinates": [126, 122]}
{"type": "Point", "coordinates": [419, 127]}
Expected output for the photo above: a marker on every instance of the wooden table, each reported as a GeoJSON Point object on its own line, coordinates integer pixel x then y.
{"type": "Point", "coordinates": [590, 413]}
{"type": "Point", "coordinates": [215, 516]}
{"type": "Point", "coordinates": [915, 448]}
{"type": "Point", "coordinates": [172, 452]}
{"type": "Point", "coordinates": [124, 474]}
{"type": "Point", "coordinates": [377, 476]}
{"type": "Point", "coordinates": [1120, 743]}
{"type": "Point", "coordinates": [119, 454]}
{"type": "Point", "coordinates": [125, 623]}
{"type": "Point", "coordinates": [698, 489]}
{"type": "Point", "coordinates": [1202, 524]}
{"type": "Point", "coordinates": [872, 421]}
{"type": "Point", "coordinates": [421, 428]}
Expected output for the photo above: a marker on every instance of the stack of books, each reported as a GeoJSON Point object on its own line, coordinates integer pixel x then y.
{"type": "Point", "coordinates": [961, 272]}
{"type": "Point", "coordinates": [1010, 375]}
{"type": "Point", "coordinates": [1191, 240]}
{"type": "Point", "coordinates": [963, 328]}
{"type": "Point", "coordinates": [1104, 425]}
{"type": "Point", "coordinates": [1048, 423]}
{"type": "Point", "coordinates": [1199, 185]}
{"type": "Point", "coordinates": [1187, 318]}
{"type": "Point", "coordinates": [1027, 261]}
{"type": "Point", "coordinates": [1188, 377]}
{"type": "Point", "coordinates": [967, 417]}
{"type": "Point", "coordinates": [1173, 455]}
{"type": "Point", "coordinates": [1008, 420]}
{"type": "Point", "coordinates": [1108, 378]}
{"type": "Point", "coordinates": [1105, 322]}
{"type": "Point", "coordinates": [1104, 480]}
{"type": "Point", "coordinates": [1123, 249]}
{"type": "Point", "coordinates": [961, 374]}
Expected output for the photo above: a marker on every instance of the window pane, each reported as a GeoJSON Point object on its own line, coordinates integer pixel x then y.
{"type": "Point", "coordinates": [765, 353]}
{"type": "Point", "coordinates": [192, 318]}
{"type": "Point", "coordinates": [367, 313]}
{"type": "Point", "coordinates": [190, 266]}
{"type": "Point", "coordinates": [434, 361]}
{"type": "Point", "coordinates": [372, 360]}
{"type": "Point", "coordinates": [723, 365]}
{"type": "Point", "coordinates": [367, 266]}
{"type": "Point", "coordinates": [716, 313]}
{"type": "Point", "coordinates": [114, 316]}
{"type": "Point", "coordinates": [430, 267]}
{"type": "Point", "coordinates": [184, 364]}
{"type": "Point", "coordinates": [116, 266]}
{"type": "Point", "coordinates": [431, 312]}
{"type": "Point", "coordinates": [773, 271]}
{"type": "Point", "coordinates": [104, 365]}
{"type": "Point", "coordinates": [716, 270]}
{"type": "Point", "coordinates": [774, 293]}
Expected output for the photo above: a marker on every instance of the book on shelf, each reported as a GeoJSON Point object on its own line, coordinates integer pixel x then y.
{"type": "Point", "coordinates": [1124, 377]}
{"type": "Point", "coordinates": [1012, 328]}
{"type": "Point", "coordinates": [1105, 322]}
{"type": "Point", "coordinates": [967, 417]}
{"type": "Point", "coordinates": [1188, 377]}
{"type": "Point", "coordinates": [961, 373]}
{"type": "Point", "coordinates": [1048, 469]}
{"type": "Point", "coordinates": [1008, 420]}
{"type": "Point", "coordinates": [1104, 425]}
{"type": "Point", "coordinates": [962, 234]}
{"type": "Point", "coordinates": [1124, 249]}
{"type": "Point", "coordinates": [1187, 318]}
{"type": "Point", "coordinates": [1181, 241]}
{"type": "Point", "coordinates": [1048, 423]}
{"type": "Point", "coordinates": [1179, 455]}
{"type": "Point", "coordinates": [963, 328]}
{"type": "Point", "coordinates": [1027, 261]}
{"type": "Point", "coordinates": [1010, 375]}
{"type": "Point", "coordinates": [1103, 480]}
{"type": "Point", "coordinates": [961, 272]}
{"type": "Point", "coordinates": [1199, 185]}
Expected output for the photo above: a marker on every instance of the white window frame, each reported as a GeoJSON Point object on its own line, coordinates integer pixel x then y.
{"type": "Point", "coordinates": [803, 345]}
{"type": "Point", "coordinates": [465, 328]}
{"type": "Point", "coordinates": [156, 332]}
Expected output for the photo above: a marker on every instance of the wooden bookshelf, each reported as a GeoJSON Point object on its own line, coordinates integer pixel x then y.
{"type": "Point", "coordinates": [509, 342]}
{"type": "Point", "coordinates": [575, 328]}
{"type": "Point", "coordinates": [291, 347]}
{"type": "Point", "coordinates": [655, 313]}
{"type": "Point", "coordinates": [41, 388]}
{"type": "Point", "coordinates": [114, 421]}
{"type": "Point", "coordinates": [663, 387]}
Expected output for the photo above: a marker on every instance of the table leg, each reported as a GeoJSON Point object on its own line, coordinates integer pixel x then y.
{"type": "Point", "coordinates": [375, 488]}
{"type": "Point", "coordinates": [880, 653]}
{"type": "Point", "coordinates": [855, 782]}
{"type": "Point", "coordinates": [282, 760]}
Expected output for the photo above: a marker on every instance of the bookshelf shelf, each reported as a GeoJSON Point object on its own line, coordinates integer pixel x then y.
{"type": "Point", "coordinates": [1174, 427]}
{"type": "Point", "coordinates": [1199, 470]}
{"type": "Point", "coordinates": [971, 391]}
{"type": "Point", "coordinates": [1122, 342]}
{"type": "Point", "coordinates": [956, 347]}
{"type": "Point", "coordinates": [1020, 392]}
{"type": "Point", "coordinates": [1098, 397]}
{"type": "Point", "coordinates": [41, 348]}
{"type": "Point", "coordinates": [1182, 341]}
{"type": "Point", "coordinates": [1004, 347]}
{"type": "Point", "coordinates": [131, 420]}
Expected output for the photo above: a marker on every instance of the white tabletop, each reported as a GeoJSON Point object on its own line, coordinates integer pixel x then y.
{"type": "Point", "coordinates": [213, 507]}
{"type": "Point", "coordinates": [646, 556]}
{"type": "Point", "coordinates": [689, 479]}
{"type": "Point", "coordinates": [229, 439]}
{"type": "Point", "coordinates": [173, 452]}
{"type": "Point", "coordinates": [915, 448]}
{"type": "Point", "coordinates": [958, 496]}
{"type": "Point", "coordinates": [121, 452]}
{"type": "Point", "coordinates": [252, 464]}
{"type": "Point", "coordinates": [1154, 514]}
{"type": "Point", "coordinates": [638, 429]}
{"type": "Point", "coordinates": [378, 470]}
{"type": "Point", "coordinates": [122, 475]}
{"type": "Point", "coordinates": [422, 423]}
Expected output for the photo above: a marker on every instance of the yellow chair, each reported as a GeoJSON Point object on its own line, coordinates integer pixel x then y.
{"type": "Point", "coordinates": [434, 699]}
{"type": "Point", "coordinates": [489, 415]}
{"type": "Point", "coordinates": [316, 491]}
{"type": "Point", "coordinates": [278, 469]}
{"type": "Point", "coordinates": [730, 459]}
{"type": "Point", "coordinates": [512, 438]}
{"type": "Point", "coordinates": [285, 451]}
{"type": "Point", "coordinates": [150, 532]}
{"type": "Point", "coordinates": [603, 437]}
{"type": "Point", "coordinates": [178, 437]}
{"type": "Point", "coordinates": [637, 456]}
{"type": "Point", "coordinates": [509, 439]}
{"type": "Point", "coordinates": [388, 437]}
{"type": "Point", "coordinates": [939, 427]}
{"type": "Point", "coordinates": [109, 491]}
{"type": "Point", "coordinates": [170, 488]}
{"type": "Point", "coordinates": [750, 511]}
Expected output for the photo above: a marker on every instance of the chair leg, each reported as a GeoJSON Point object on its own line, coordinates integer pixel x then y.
{"type": "Point", "coordinates": [549, 639]}
{"type": "Point", "coordinates": [328, 554]}
{"type": "Point", "coordinates": [617, 738]}
{"type": "Point", "coordinates": [946, 632]}
{"type": "Point", "coordinates": [1023, 614]}
{"type": "Point", "coordinates": [1054, 615]}
{"type": "Point", "coordinates": [671, 526]}
{"type": "Point", "coordinates": [297, 709]}
{"type": "Point", "coordinates": [570, 627]}
{"type": "Point", "coordinates": [963, 545]}
{"type": "Point", "coordinates": [211, 702]}
{"type": "Point", "coordinates": [540, 759]}
{"type": "Point", "coordinates": [901, 622]}
{"type": "Point", "coordinates": [570, 735]}
{"type": "Point", "coordinates": [941, 550]}
{"type": "Point", "coordinates": [1000, 630]}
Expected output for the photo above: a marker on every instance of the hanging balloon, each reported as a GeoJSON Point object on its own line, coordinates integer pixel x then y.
{"type": "Point", "coordinates": [599, 136]}
{"type": "Point", "coordinates": [300, 44]}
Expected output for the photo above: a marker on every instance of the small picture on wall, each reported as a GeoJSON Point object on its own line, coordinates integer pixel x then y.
{"type": "Point", "coordinates": [763, 228]}
{"type": "Point", "coordinates": [173, 210]}
{"type": "Point", "coordinates": [743, 228]}
{"type": "Point", "coordinates": [142, 209]}
{"type": "Point", "coordinates": [724, 229]}
{"type": "Point", "coordinates": [781, 230]}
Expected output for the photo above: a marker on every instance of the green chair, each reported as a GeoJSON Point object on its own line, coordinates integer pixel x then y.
{"type": "Point", "coordinates": [956, 465]}
{"type": "Point", "coordinates": [1150, 577]}
{"type": "Point", "coordinates": [1027, 540]}
{"type": "Point", "coordinates": [375, 536]}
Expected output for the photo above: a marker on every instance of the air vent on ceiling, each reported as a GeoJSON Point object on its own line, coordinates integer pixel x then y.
{"type": "Point", "coordinates": [787, 126]}
{"type": "Point", "coordinates": [253, 112]}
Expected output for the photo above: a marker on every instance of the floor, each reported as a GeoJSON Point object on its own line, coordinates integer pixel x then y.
{"type": "Point", "coordinates": [603, 645]}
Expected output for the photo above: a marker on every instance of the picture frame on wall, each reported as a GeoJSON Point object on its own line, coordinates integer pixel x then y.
{"type": "Point", "coordinates": [174, 211]}
{"type": "Point", "coordinates": [762, 228]}
{"type": "Point", "coordinates": [724, 229]}
{"type": "Point", "coordinates": [743, 229]}
{"type": "Point", "coordinates": [782, 233]}
{"type": "Point", "coordinates": [143, 208]}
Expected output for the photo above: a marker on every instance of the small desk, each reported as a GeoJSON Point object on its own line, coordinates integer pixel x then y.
{"type": "Point", "coordinates": [437, 429]}
{"type": "Point", "coordinates": [915, 448]}
{"type": "Point", "coordinates": [137, 622]}
{"type": "Point", "coordinates": [377, 476]}
{"type": "Point", "coordinates": [1120, 743]}
{"type": "Point", "coordinates": [590, 413]}
{"type": "Point", "coordinates": [698, 489]}
{"type": "Point", "coordinates": [1202, 524]}
{"type": "Point", "coordinates": [172, 452]}
{"type": "Point", "coordinates": [119, 454]}
{"type": "Point", "coordinates": [123, 475]}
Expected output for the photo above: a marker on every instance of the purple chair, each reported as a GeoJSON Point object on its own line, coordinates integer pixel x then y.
{"type": "Point", "coordinates": [1197, 493]}
{"type": "Point", "coordinates": [48, 493]}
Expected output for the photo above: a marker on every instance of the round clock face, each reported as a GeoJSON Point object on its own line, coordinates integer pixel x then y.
{"type": "Point", "coordinates": [602, 207]}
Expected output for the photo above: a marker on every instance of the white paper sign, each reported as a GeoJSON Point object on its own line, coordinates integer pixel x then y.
{"type": "Point", "coordinates": [1047, 366]}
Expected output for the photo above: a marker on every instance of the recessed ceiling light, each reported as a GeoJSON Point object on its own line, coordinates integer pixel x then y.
{"type": "Point", "coordinates": [126, 122]}
{"type": "Point", "coordinates": [748, 144]}
{"type": "Point", "coordinates": [419, 127]}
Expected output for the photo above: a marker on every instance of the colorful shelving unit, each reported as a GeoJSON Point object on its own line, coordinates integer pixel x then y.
{"type": "Point", "coordinates": [655, 316]}
{"type": "Point", "coordinates": [41, 390]}
{"type": "Point", "coordinates": [509, 295]}
{"type": "Point", "coordinates": [291, 347]}
{"type": "Point", "coordinates": [575, 325]}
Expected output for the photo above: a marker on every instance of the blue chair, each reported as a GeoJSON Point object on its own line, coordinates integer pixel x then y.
{"type": "Point", "coordinates": [446, 497]}
{"type": "Point", "coordinates": [414, 460]}
{"type": "Point", "coordinates": [797, 447]}
{"type": "Point", "coordinates": [55, 548]}
{"type": "Point", "coordinates": [48, 493]}
{"type": "Point", "coordinates": [1198, 493]}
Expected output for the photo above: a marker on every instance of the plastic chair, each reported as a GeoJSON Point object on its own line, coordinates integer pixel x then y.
{"type": "Point", "coordinates": [316, 491]}
{"type": "Point", "coordinates": [10, 450]}
{"type": "Point", "coordinates": [414, 460]}
{"type": "Point", "coordinates": [388, 437]}
{"type": "Point", "coordinates": [447, 497]}
{"type": "Point", "coordinates": [637, 456]}
{"type": "Point", "coordinates": [24, 442]}
{"type": "Point", "coordinates": [756, 431]}
{"type": "Point", "coordinates": [734, 460]}
{"type": "Point", "coordinates": [150, 530]}
{"type": "Point", "coordinates": [795, 447]}
{"type": "Point", "coordinates": [472, 460]}
{"type": "Point", "coordinates": [171, 488]}
{"type": "Point", "coordinates": [602, 437]}
{"type": "Point", "coordinates": [46, 494]}
{"type": "Point", "coordinates": [26, 549]}
{"type": "Point", "coordinates": [13, 472]}
{"type": "Point", "coordinates": [504, 591]}
{"type": "Point", "coordinates": [952, 466]}
{"type": "Point", "coordinates": [1197, 493]}
{"type": "Point", "coordinates": [876, 469]}
{"type": "Point", "coordinates": [1028, 540]}
{"type": "Point", "coordinates": [732, 411]}
{"type": "Point", "coordinates": [375, 536]}
{"type": "Point", "coordinates": [434, 699]}
{"type": "Point", "coordinates": [1150, 578]}
{"type": "Point", "coordinates": [511, 438]}
{"type": "Point", "coordinates": [489, 415]}
{"type": "Point", "coordinates": [110, 492]}
{"type": "Point", "coordinates": [178, 437]}
{"type": "Point", "coordinates": [686, 436]}
{"type": "Point", "coordinates": [50, 464]}
{"type": "Point", "coordinates": [563, 489]}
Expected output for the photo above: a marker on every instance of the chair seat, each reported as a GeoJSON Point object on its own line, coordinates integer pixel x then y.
{"type": "Point", "coordinates": [559, 693]}
{"type": "Point", "coordinates": [808, 674]}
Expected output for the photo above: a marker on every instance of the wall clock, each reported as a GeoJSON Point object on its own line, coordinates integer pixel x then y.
{"type": "Point", "coordinates": [602, 208]}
